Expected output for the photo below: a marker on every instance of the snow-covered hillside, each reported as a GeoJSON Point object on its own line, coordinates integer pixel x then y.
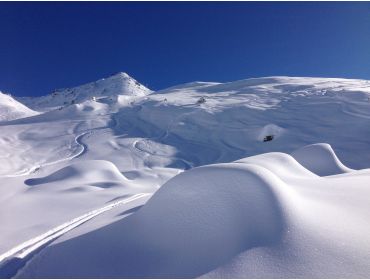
{"type": "Point", "coordinates": [105, 89]}
{"type": "Point", "coordinates": [11, 109]}
{"type": "Point", "coordinates": [240, 179]}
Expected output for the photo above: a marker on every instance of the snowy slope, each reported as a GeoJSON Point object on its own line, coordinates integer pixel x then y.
{"type": "Point", "coordinates": [71, 177]}
{"type": "Point", "coordinates": [278, 222]}
{"type": "Point", "coordinates": [109, 88]}
{"type": "Point", "coordinates": [11, 109]}
{"type": "Point", "coordinates": [236, 117]}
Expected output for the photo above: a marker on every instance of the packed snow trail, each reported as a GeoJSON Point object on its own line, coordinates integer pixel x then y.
{"type": "Point", "coordinates": [26, 249]}
{"type": "Point", "coordinates": [78, 142]}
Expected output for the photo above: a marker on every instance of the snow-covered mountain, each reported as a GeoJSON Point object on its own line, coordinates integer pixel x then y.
{"type": "Point", "coordinates": [240, 179]}
{"type": "Point", "coordinates": [105, 89]}
{"type": "Point", "coordinates": [11, 109]}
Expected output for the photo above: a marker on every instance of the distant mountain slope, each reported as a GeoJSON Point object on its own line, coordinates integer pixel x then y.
{"type": "Point", "coordinates": [11, 109]}
{"type": "Point", "coordinates": [192, 124]}
{"type": "Point", "coordinates": [226, 121]}
{"type": "Point", "coordinates": [111, 87]}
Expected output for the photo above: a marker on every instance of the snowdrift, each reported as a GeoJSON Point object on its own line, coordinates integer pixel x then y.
{"type": "Point", "coordinates": [195, 222]}
{"type": "Point", "coordinates": [320, 159]}
{"type": "Point", "coordinates": [98, 172]}
{"type": "Point", "coordinates": [251, 218]}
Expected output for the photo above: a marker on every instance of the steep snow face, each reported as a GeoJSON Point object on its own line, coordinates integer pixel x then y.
{"type": "Point", "coordinates": [108, 89]}
{"type": "Point", "coordinates": [11, 109]}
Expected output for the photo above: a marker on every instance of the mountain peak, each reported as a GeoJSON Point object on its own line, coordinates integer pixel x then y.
{"type": "Point", "coordinates": [122, 75]}
{"type": "Point", "coordinates": [117, 84]}
{"type": "Point", "coordinates": [119, 76]}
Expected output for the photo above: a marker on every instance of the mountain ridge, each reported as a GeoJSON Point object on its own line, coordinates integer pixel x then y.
{"type": "Point", "coordinates": [117, 84]}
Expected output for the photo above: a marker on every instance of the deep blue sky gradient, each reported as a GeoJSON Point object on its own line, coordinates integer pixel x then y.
{"type": "Point", "coordinates": [44, 46]}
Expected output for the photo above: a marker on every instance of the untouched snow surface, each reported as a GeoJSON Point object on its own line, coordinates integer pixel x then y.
{"type": "Point", "coordinates": [76, 179]}
{"type": "Point", "coordinates": [11, 109]}
{"type": "Point", "coordinates": [320, 159]}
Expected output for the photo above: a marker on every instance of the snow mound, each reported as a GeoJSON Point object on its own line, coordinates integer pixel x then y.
{"type": "Point", "coordinates": [195, 222]}
{"type": "Point", "coordinates": [320, 159]}
{"type": "Point", "coordinates": [94, 172]}
{"type": "Point", "coordinates": [283, 165]}
{"type": "Point", "coordinates": [11, 109]}
{"type": "Point", "coordinates": [106, 90]}
{"type": "Point", "coordinates": [262, 216]}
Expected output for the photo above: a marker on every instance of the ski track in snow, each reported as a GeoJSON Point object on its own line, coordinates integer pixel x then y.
{"type": "Point", "coordinates": [78, 141]}
{"type": "Point", "coordinates": [82, 150]}
{"type": "Point", "coordinates": [26, 249]}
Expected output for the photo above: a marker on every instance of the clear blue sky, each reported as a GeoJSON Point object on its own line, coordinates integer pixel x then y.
{"type": "Point", "coordinates": [44, 46]}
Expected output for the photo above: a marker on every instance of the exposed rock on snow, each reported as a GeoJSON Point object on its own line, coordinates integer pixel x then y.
{"type": "Point", "coordinates": [109, 88]}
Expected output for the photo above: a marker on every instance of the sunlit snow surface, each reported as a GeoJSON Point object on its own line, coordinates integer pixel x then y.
{"type": "Point", "coordinates": [78, 167]}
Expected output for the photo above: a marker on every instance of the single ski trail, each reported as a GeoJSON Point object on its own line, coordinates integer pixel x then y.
{"type": "Point", "coordinates": [14, 259]}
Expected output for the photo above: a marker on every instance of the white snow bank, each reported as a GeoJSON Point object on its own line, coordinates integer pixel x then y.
{"type": "Point", "coordinates": [195, 222]}
{"type": "Point", "coordinates": [100, 173]}
{"type": "Point", "coordinates": [264, 216]}
{"type": "Point", "coordinates": [32, 206]}
{"type": "Point", "coordinates": [320, 159]}
{"type": "Point", "coordinates": [282, 165]}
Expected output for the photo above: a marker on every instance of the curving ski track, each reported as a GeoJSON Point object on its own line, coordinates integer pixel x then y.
{"type": "Point", "coordinates": [78, 142]}
{"type": "Point", "coordinates": [16, 258]}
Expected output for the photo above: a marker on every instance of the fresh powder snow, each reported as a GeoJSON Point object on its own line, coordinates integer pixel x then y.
{"type": "Point", "coordinates": [257, 178]}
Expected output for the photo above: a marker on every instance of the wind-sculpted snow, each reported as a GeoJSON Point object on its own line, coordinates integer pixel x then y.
{"type": "Point", "coordinates": [264, 216]}
{"type": "Point", "coordinates": [195, 222]}
{"type": "Point", "coordinates": [282, 165]}
{"type": "Point", "coordinates": [320, 159]}
{"type": "Point", "coordinates": [48, 199]}
{"type": "Point", "coordinates": [94, 172]}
